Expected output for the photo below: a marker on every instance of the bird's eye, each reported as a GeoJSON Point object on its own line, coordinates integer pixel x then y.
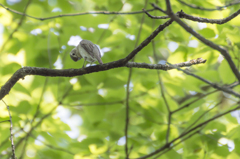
{"type": "Point", "coordinates": [73, 54]}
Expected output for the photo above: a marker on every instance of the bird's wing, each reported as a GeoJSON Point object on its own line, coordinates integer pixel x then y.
{"type": "Point", "coordinates": [88, 46]}
{"type": "Point", "coordinates": [99, 55]}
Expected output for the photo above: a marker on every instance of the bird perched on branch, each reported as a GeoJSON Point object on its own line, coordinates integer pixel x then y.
{"type": "Point", "coordinates": [86, 50]}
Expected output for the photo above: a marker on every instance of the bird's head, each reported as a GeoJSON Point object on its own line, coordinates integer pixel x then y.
{"type": "Point", "coordinates": [74, 56]}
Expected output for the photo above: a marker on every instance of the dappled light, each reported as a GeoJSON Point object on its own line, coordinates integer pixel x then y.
{"type": "Point", "coordinates": [119, 79]}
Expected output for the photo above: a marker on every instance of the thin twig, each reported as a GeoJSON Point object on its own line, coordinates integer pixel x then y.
{"type": "Point", "coordinates": [201, 116]}
{"type": "Point", "coordinates": [52, 147]}
{"type": "Point", "coordinates": [162, 89]}
{"type": "Point", "coordinates": [34, 117]}
{"type": "Point", "coordinates": [48, 48]}
{"type": "Point", "coordinates": [7, 139]}
{"type": "Point", "coordinates": [4, 121]}
{"type": "Point", "coordinates": [166, 67]}
{"type": "Point", "coordinates": [179, 142]}
{"type": "Point", "coordinates": [147, 41]}
{"type": "Point", "coordinates": [94, 104]}
{"type": "Point", "coordinates": [73, 14]}
{"type": "Point", "coordinates": [158, 75]}
{"type": "Point", "coordinates": [190, 103]}
{"type": "Point", "coordinates": [127, 153]}
{"type": "Point", "coordinates": [181, 14]}
{"type": "Point", "coordinates": [18, 26]}
{"type": "Point", "coordinates": [66, 93]}
{"type": "Point", "coordinates": [11, 131]}
{"type": "Point", "coordinates": [105, 103]}
{"type": "Point", "coordinates": [155, 17]}
{"type": "Point", "coordinates": [110, 21]}
{"type": "Point", "coordinates": [24, 146]}
{"type": "Point", "coordinates": [40, 100]}
{"type": "Point", "coordinates": [209, 9]}
{"type": "Point", "coordinates": [184, 15]}
{"type": "Point", "coordinates": [127, 114]}
{"type": "Point", "coordinates": [168, 108]}
{"type": "Point", "coordinates": [148, 118]}
{"type": "Point", "coordinates": [224, 89]}
{"type": "Point", "coordinates": [35, 126]}
{"type": "Point", "coordinates": [202, 96]}
{"type": "Point", "coordinates": [213, 138]}
{"type": "Point", "coordinates": [188, 132]}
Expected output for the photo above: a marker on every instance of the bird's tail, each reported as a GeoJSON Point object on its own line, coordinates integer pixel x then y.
{"type": "Point", "coordinates": [99, 59]}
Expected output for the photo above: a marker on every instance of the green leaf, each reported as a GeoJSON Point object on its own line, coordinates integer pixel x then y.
{"type": "Point", "coordinates": [207, 33]}
{"type": "Point", "coordinates": [226, 73]}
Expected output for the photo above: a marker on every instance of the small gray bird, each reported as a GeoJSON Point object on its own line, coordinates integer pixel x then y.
{"type": "Point", "coordinates": [86, 50]}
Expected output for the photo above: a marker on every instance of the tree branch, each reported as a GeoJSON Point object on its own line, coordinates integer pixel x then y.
{"type": "Point", "coordinates": [147, 41]}
{"type": "Point", "coordinates": [184, 15]}
{"type": "Point", "coordinates": [202, 96]}
{"type": "Point", "coordinates": [209, 9]}
{"type": "Point", "coordinates": [224, 89]}
{"type": "Point", "coordinates": [73, 14]}
{"type": "Point", "coordinates": [188, 132]}
{"type": "Point", "coordinates": [206, 20]}
{"type": "Point", "coordinates": [209, 43]}
{"type": "Point", "coordinates": [169, 7]}
{"type": "Point", "coordinates": [24, 71]}
{"type": "Point", "coordinates": [21, 73]}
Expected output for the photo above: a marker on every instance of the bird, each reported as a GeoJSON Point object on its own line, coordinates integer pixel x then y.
{"type": "Point", "coordinates": [86, 50]}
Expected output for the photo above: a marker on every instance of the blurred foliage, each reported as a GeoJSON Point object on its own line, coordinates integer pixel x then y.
{"type": "Point", "coordinates": [84, 117]}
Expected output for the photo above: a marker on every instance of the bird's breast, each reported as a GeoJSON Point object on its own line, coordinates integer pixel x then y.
{"type": "Point", "coordinates": [86, 55]}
